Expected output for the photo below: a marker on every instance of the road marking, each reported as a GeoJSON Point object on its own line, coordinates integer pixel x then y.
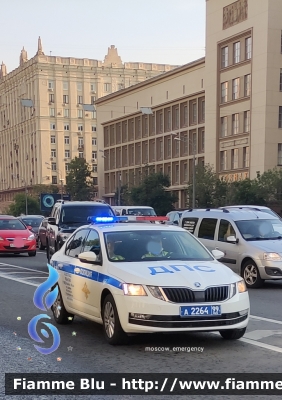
{"type": "Point", "coordinates": [261, 334]}
{"type": "Point", "coordinates": [19, 280]}
{"type": "Point", "coordinates": [27, 269]}
{"type": "Point", "coordinates": [262, 345]}
{"type": "Point", "coordinates": [275, 321]}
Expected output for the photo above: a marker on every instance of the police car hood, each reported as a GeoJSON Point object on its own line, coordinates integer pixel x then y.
{"type": "Point", "coordinates": [173, 273]}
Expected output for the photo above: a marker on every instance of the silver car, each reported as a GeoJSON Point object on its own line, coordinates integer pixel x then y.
{"type": "Point", "coordinates": [251, 240]}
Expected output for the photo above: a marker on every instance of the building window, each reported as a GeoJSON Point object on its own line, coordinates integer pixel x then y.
{"type": "Point", "coordinates": [94, 128]}
{"type": "Point", "coordinates": [203, 110]}
{"type": "Point", "coordinates": [176, 148]}
{"type": "Point", "coordinates": [66, 127]}
{"type": "Point", "coordinates": [280, 86]}
{"type": "Point", "coordinates": [234, 158]}
{"type": "Point", "coordinates": [224, 92]}
{"type": "Point", "coordinates": [53, 139]}
{"type": "Point", "coordinates": [223, 160]}
{"type": "Point", "coordinates": [67, 167]}
{"type": "Point", "coordinates": [53, 153]}
{"type": "Point", "coordinates": [168, 147]}
{"type": "Point", "coordinates": [176, 118]}
{"type": "Point", "coordinates": [79, 86]}
{"type": "Point", "coordinates": [279, 153]}
{"type": "Point", "coordinates": [94, 168]}
{"type": "Point", "coordinates": [94, 155]}
{"type": "Point", "coordinates": [194, 113]}
{"type": "Point", "coordinates": [185, 116]}
{"type": "Point", "coordinates": [67, 140]}
{"type": "Point", "coordinates": [247, 116]}
{"type": "Point", "coordinates": [52, 127]}
{"type": "Point", "coordinates": [93, 114]}
{"type": "Point", "coordinates": [248, 48]}
{"type": "Point", "coordinates": [67, 154]}
{"type": "Point", "coordinates": [185, 172]}
{"type": "Point", "coordinates": [54, 180]}
{"type": "Point", "coordinates": [80, 142]}
{"type": "Point", "coordinates": [65, 86]}
{"type": "Point", "coordinates": [80, 128]}
{"type": "Point", "coordinates": [66, 112]}
{"type": "Point", "coordinates": [79, 113]}
{"type": "Point", "coordinates": [168, 127]}
{"type": "Point", "coordinates": [235, 124]}
{"type": "Point", "coordinates": [224, 57]}
{"type": "Point", "coordinates": [93, 87]}
{"type": "Point", "coordinates": [246, 157]}
{"type": "Point", "coordinates": [54, 166]}
{"type": "Point", "coordinates": [247, 85]}
{"type": "Point", "coordinates": [66, 99]}
{"type": "Point", "coordinates": [161, 149]}
{"type": "Point", "coordinates": [51, 85]}
{"type": "Point", "coordinates": [52, 112]}
{"type": "Point", "coordinates": [280, 118]}
{"type": "Point", "coordinates": [107, 87]}
{"type": "Point", "coordinates": [236, 52]}
{"type": "Point", "coordinates": [235, 88]}
{"type": "Point", "coordinates": [79, 100]}
{"type": "Point", "coordinates": [203, 141]}
{"type": "Point", "coordinates": [94, 141]}
{"type": "Point", "coordinates": [51, 98]}
{"type": "Point", "coordinates": [177, 173]}
{"type": "Point", "coordinates": [81, 154]}
{"type": "Point", "coordinates": [223, 126]}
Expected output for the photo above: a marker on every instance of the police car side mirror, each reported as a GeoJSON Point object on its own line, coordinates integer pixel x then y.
{"type": "Point", "coordinates": [88, 257]}
{"type": "Point", "coordinates": [232, 239]}
{"type": "Point", "coordinates": [217, 254]}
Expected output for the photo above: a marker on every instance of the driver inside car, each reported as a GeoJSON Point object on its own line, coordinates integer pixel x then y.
{"type": "Point", "coordinates": [111, 249]}
{"type": "Point", "coordinates": [155, 248]}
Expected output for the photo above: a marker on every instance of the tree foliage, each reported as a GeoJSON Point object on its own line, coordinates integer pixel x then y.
{"type": "Point", "coordinates": [18, 206]}
{"type": "Point", "coordinates": [153, 192]}
{"type": "Point", "coordinates": [79, 184]}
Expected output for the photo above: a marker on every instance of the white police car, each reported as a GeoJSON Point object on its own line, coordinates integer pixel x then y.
{"type": "Point", "coordinates": [135, 278]}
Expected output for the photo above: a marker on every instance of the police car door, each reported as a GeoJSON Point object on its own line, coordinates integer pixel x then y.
{"type": "Point", "coordinates": [76, 279]}
{"type": "Point", "coordinates": [91, 286]}
{"type": "Point", "coordinates": [230, 249]}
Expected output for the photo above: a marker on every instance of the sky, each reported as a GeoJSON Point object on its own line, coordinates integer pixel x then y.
{"type": "Point", "coordinates": [152, 31]}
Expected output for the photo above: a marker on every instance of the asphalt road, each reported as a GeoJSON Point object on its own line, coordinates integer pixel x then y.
{"type": "Point", "coordinates": [84, 350]}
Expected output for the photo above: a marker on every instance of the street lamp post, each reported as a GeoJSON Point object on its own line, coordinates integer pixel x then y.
{"type": "Point", "coordinates": [194, 167]}
{"type": "Point", "coordinates": [61, 179]}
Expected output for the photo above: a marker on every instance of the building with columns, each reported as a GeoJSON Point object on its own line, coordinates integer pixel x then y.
{"type": "Point", "coordinates": [48, 117]}
{"type": "Point", "coordinates": [224, 110]}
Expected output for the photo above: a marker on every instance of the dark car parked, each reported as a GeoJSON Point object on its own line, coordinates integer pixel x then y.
{"type": "Point", "coordinates": [42, 234]}
{"type": "Point", "coordinates": [34, 221]}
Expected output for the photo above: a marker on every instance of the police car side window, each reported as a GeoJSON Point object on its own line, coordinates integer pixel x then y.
{"type": "Point", "coordinates": [75, 245]}
{"type": "Point", "coordinates": [92, 242]}
{"type": "Point", "coordinates": [225, 230]}
{"type": "Point", "coordinates": [207, 228]}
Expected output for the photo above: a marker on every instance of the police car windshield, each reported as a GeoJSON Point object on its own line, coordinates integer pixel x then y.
{"type": "Point", "coordinates": [141, 211]}
{"type": "Point", "coordinates": [78, 214]}
{"type": "Point", "coordinates": [152, 245]}
{"type": "Point", "coordinates": [260, 229]}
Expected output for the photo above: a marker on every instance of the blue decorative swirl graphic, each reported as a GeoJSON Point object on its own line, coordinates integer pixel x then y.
{"type": "Point", "coordinates": [43, 288]}
{"type": "Point", "coordinates": [50, 298]}
{"type": "Point", "coordinates": [34, 335]}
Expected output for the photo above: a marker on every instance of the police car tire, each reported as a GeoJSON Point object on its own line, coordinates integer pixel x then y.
{"type": "Point", "coordinates": [119, 336]}
{"type": "Point", "coordinates": [233, 334]}
{"type": "Point", "coordinates": [64, 317]}
{"type": "Point", "coordinates": [258, 282]}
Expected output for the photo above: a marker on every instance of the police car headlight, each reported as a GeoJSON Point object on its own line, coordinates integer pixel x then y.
{"type": "Point", "coordinates": [232, 290]}
{"type": "Point", "coordinates": [31, 237]}
{"type": "Point", "coordinates": [155, 291]}
{"type": "Point", "coordinates": [241, 286]}
{"type": "Point", "coordinates": [272, 257]}
{"type": "Point", "coordinates": [130, 289]}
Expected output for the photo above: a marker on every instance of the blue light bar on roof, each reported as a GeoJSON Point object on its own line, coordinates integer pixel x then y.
{"type": "Point", "coordinates": [103, 220]}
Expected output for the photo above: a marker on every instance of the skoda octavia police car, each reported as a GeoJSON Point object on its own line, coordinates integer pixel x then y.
{"type": "Point", "coordinates": [135, 278]}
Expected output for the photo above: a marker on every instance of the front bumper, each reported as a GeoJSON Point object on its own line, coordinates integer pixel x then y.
{"type": "Point", "coordinates": [148, 315]}
{"type": "Point", "coordinates": [5, 247]}
{"type": "Point", "coordinates": [269, 269]}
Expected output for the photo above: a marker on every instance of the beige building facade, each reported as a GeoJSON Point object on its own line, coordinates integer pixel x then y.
{"type": "Point", "coordinates": [234, 106]}
{"type": "Point", "coordinates": [48, 114]}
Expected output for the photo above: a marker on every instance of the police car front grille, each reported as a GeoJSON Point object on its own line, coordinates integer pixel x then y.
{"type": "Point", "coordinates": [219, 293]}
{"type": "Point", "coordinates": [185, 295]}
{"type": "Point", "coordinates": [179, 295]}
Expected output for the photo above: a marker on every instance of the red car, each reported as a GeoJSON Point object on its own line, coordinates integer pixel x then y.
{"type": "Point", "coordinates": [15, 237]}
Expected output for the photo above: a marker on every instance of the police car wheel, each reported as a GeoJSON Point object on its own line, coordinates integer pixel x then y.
{"type": "Point", "coordinates": [233, 334]}
{"type": "Point", "coordinates": [60, 314]}
{"type": "Point", "coordinates": [251, 275]}
{"type": "Point", "coordinates": [113, 331]}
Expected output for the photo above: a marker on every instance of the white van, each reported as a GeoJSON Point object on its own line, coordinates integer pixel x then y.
{"type": "Point", "coordinates": [134, 211]}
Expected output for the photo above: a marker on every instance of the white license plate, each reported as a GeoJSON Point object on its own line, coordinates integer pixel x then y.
{"type": "Point", "coordinates": [12, 245]}
{"type": "Point", "coordinates": [199, 311]}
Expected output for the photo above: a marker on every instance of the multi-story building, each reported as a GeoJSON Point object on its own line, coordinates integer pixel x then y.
{"type": "Point", "coordinates": [240, 99]}
{"type": "Point", "coordinates": [47, 114]}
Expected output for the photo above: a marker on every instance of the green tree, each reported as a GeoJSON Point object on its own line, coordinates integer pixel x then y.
{"type": "Point", "coordinates": [124, 195]}
{"type": "Point", "coordinates": [79, 183]}
{"type": "Point", "coordinates": [18, 206]}
{"type": "Point", "coordinates": [153, 192]}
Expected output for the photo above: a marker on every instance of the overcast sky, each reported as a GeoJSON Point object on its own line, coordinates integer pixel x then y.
{"type": "Point", "coordinates": [154, 31]}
